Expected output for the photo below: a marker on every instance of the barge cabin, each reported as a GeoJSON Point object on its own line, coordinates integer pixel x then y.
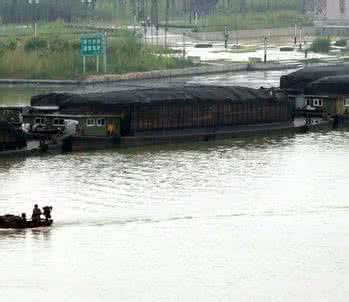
{"type": "Point", "coordinates": [167, 112]}
{"type": "Point", "coordinates": [329, 96]}
{"type": "Point", "coordinates": [12, 115]}
{"type": "Point", "coordinates": [102, 125]}
{"type": "Point", "coordinates": [295, 83]}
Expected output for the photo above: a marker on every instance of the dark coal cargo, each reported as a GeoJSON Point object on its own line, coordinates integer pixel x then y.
{"type": "Point", "coordinates": [298, 80]}
{"type": "Point", "coordinates": [192, 106]}
{"type": "Point", "coordinates": [335, 85]}
{"type": "Point", "coordinates": [173, 94]}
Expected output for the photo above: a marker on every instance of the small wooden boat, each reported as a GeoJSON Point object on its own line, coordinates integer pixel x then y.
{"type": "Point", "coordinates": [17, 222]}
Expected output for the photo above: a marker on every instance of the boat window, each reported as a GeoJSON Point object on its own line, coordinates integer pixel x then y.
{"type": "Point", "coordinates": [39, 121]}
{"type": "Point", "coordinates": [101, 122]}
{"type": "Point", "coordinates": [90, 122]}
{"type": "Point", "coordinates": [308, 102]}
{"type": "Point", "coordinates": [317, 103]}
{"type": "Point", "coordinates": [58, 122]}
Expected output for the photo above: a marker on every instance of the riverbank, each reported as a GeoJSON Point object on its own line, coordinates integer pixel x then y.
{"type": "Point", "coordinates": [251, 34]}
{"type": "Point", "coordinates": [157, 74]}
{"type": "Point", "coordinates": [55, 53]}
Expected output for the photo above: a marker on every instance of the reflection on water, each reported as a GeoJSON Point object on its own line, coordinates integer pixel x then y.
{"type": "Point", "coordinates": [37, 234]}
{"type": "Point", "coordinates": [122, 183]}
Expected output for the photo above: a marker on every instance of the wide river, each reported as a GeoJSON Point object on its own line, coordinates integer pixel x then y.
{"type": "Point", "coordinates": [255, 219]}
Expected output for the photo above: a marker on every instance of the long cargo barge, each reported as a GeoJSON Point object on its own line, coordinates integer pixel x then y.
{"type": "Point", "coordinates": [163, 115]}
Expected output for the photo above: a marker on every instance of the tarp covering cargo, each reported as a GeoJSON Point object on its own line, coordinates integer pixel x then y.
{"type": "Point", "coordinates": [337, 85]}
{"type": "Point", "coordinates": [301, 78]}
{"type": "Point", "coordinates": [154, 95]}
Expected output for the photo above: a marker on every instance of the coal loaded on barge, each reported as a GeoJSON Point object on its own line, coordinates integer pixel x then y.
{"type": "Point", "coordinates": [163, 115]}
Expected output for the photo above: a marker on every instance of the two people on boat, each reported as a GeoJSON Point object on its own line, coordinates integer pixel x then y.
{"type": "Point", "coordinates": [36, 216]}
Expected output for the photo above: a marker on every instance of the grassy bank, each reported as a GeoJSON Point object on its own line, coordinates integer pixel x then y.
{"type": "Point", "coordinates": [56, 54]}
{"type": "Point", "coordinates": [321, 45]}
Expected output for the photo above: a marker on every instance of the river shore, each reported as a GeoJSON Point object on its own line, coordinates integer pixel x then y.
{"type": "Point", "coordinates": [158, 74]}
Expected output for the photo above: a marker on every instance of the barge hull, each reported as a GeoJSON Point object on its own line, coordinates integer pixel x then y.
{"type": "Point", "coordinates": [80, 143]}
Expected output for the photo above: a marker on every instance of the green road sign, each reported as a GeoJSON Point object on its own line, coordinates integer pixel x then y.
{"type": "Point", "coordinates": [92, 45]}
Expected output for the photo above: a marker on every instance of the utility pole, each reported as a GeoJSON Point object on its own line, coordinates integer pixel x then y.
{"type": "Point", "coordinates": [134, 15]}
{"type": "Point", "coordinates": [144, 22]}
{"type": "Point", "coordinates": [265, 49]}
{"type": "Point", "coordinates": [166, 21]}
{"type": "Point", "coordinates": [226, 37]}
{"type": "Point", "coordinates": [35, 5]}
{"type": "Point", "coordinates": [138, 9]}
{"type": "Point", "coordinates": [190, 11]}
{"type": "Point", "coordinates": [236, 29]}
{"type": "Point", "coordinates": [184, 46]}
{"type": "Point", "coordinates": [157, 21]}
{"type": "Point", "coordinates": [105, 58]}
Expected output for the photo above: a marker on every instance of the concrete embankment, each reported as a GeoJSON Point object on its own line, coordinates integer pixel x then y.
{"type": "Point", "coordinates": [250, 34]}
{"type": "Point", "coordinates": [157, 74]}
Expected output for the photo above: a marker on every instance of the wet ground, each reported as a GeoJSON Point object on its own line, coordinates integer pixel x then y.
{"type": "Point", "coordinates": [238, 50]}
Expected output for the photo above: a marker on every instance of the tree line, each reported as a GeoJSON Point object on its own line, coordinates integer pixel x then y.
{"type": "Point", "coordinates": [20, 11]}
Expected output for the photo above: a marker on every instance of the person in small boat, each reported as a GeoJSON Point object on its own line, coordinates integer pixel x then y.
{"type": "Point", "coordinates": [47, 212]}
{"type": "Point", "coordinates": [24, 217]}
{"type": "Point", "coordinates": [36, 214]}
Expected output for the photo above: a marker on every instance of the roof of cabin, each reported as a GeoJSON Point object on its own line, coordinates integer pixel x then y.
{"type": "Point", "coordinates": [336, 85]}
{"type": "Point", "coordinates": [299, 79]}
{"type": "Point", "coordinates": [153, 95]}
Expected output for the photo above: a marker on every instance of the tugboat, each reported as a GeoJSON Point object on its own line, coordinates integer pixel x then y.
{"type": "Point", "coordinates": [21, 222]}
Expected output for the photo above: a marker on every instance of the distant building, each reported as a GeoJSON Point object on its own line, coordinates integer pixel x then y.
{"type": "Point", "coordinates": [333, 11]}
{"type": "Point", "coordinates": [337, 10]}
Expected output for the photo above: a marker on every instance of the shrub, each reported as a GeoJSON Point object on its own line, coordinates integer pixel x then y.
{"type": "Point", "coordinates": [35, 44]}
{"type": "Point", "coordinates": [2, 48]}
{"type": "Point", "coordinates": [75, 45]}
{"type": "Point", "coordinates": [10, 44]}
{"type": "Point", "coordinates": [321, 45]}
{"type": "Point", "coordinates": [59, 45]}
{"type": "Point", "coordinates": [342, 42]}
